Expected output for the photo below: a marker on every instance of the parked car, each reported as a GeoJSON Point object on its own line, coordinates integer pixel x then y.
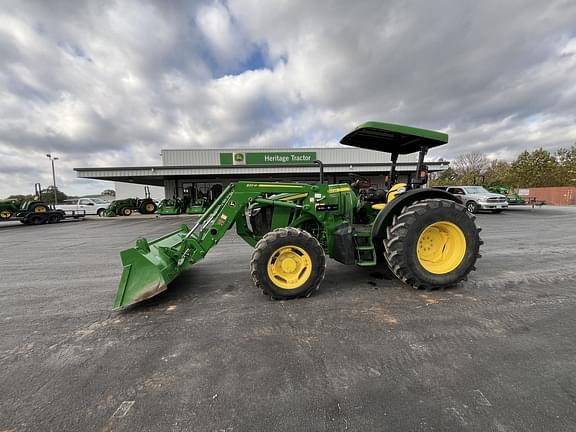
{"type": "Point", "coordinates": [92, 206]}
{"type": "Point", "coordinates": [478, 198]}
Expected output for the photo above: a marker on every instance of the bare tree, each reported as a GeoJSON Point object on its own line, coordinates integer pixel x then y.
{"type": "Point", "coordinates": [473, 163]}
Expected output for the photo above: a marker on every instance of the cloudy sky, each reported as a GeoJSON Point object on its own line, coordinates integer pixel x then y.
{"type": "Point", "coordinates": [111, 83]}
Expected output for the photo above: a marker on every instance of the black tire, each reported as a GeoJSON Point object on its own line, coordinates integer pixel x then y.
{"type": "Point", "coordinates": [53, 218]}
{"type": "Point", "coordinates": [152, 207]}
{"type": "Point", "coordinates": [125, 211]}
{"type": "Point", "coordinates": [382, 265]}
{"type": "Point", "coordinates": [35, 219]}
{"type": "Point", "coordinates": [100, 212]}
{"type": "Point", "coordinates": [404, 234]}
{"type": "Point", "coordinates": [472, 207]}
{"type": "Point", "coordinates": [266, 251]}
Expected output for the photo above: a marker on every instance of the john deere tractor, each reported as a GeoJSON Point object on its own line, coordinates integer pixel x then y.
{"type": "Point", "coordinates": [34, 211]}
{"type": "Point", "coordinates": [424, 237]}
{"type": "Point", "coordinates": [511, 197]}
{"type": "Point", "coordinates": [125, 207]}
{"type": "Point", "coordinates": [173, 206]}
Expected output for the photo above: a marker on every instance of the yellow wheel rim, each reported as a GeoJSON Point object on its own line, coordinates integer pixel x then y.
{"type": "Point", "coordinates": [441, 247]}
{"type": "Point", "coordinates": [40, 209]}
{"type": "Point", "coordinates": [5, 214]}
{"type": "Point", "coordinates": [289, 267]}
{"type": "Point", "coordinates": [149, 207]}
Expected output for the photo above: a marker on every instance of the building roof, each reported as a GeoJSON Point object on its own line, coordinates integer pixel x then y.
{"type": "Point", "coordinates": [256, 163]}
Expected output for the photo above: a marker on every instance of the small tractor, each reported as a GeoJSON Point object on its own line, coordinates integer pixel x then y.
{"type": "Point", "coordinates": [125, 207]}
{"type": "Point", "coordinates": [172, 206]}
{"type": "Point", "coordinates": [422, 236]}
{"type": "Point", "coordinates": [200, 197]}
{"type": "Point", "coordinates": [511, 197]}
{"type": "Point", "coordinates": [198, 206]}
{"type": "Point", "coordinates": [30, 212]}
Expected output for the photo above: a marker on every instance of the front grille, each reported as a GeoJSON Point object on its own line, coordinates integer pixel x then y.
{"type": "Point", "coordinates": [496, 199]}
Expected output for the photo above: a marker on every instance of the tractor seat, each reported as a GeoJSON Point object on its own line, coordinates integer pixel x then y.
{"type": "Point", "coordinates": [373, 195]}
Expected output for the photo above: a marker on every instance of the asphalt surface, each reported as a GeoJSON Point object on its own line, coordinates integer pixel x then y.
{"type": "Point", "coordinates": [498, 353]}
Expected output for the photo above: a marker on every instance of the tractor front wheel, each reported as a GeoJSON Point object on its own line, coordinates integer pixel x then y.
{"type": "Point", "coordinates": [288, 263]}
{"type": "Point", "coordinates": [125, 211]}
{"type": "Point", "coordinates": [432, 244]}
{"type": "Point", "coordinates": [6, 214]}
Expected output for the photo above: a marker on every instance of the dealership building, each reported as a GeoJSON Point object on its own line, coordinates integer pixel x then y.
{"type": "Point", "coordinates": [183, 171]}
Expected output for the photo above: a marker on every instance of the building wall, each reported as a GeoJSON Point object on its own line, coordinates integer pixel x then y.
{"type": "Point", "coordinates": [563, 195]}
{"type": "Point", "coordinates": [130, 190]}
{"type": "Point", "coordinates": [330, 155]}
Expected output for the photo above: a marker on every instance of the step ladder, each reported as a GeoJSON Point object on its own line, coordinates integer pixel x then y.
{"type": "Point", "coordinates": [365, 252]}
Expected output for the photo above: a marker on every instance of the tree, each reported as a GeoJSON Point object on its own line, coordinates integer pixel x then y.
{"type": "Point", "coordinates": [108, 192]}
{"type": "Point", "coordinates": [536, 169]}
{"type": "Point", "coordinates": [48, 195]}
{"type": "Point", "coordinates": [470, 164]}
{"type": "Point", "coordinates": [498, 173]}
{"type": "Point", "coordinates": [20, 197]}
{"type": "Point", "coordinates": [567, 160]}
{"type": "Point", "coordinates": [445, 178]}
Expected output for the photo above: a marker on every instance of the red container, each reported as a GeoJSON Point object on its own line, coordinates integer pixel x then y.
{"type": "Point", "coordinates": [561, 195]}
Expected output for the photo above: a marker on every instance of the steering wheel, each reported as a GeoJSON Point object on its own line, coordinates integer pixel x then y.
{"type": "Point", "coordinates": [359, 182]}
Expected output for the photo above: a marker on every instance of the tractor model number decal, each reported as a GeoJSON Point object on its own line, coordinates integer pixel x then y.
{"type": "Point", "coordinates": [326, 207]}
{"type": "Point", "coordinates": [337, 190]}
{"type": "Point", "coordinates": [263, 185]}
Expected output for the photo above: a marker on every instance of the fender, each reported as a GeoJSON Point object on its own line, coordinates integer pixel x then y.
{"type": "Point", "coordinates": [385, 216]}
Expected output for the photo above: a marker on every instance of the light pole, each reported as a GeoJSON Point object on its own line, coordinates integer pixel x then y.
{"type": "Point", "coordinates": [52, 159]}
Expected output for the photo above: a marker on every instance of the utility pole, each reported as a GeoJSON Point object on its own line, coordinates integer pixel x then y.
{"type": "Point", "coordinates": [52, 159]}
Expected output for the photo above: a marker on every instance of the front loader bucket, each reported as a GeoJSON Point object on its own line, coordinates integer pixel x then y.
{"type": "Point", "coordinates": [149, 268]}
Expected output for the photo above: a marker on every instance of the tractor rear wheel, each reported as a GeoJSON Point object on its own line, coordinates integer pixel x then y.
{"type": "Point", "coordinates": [38, 208]}
{"type": "Point", "coordinates": [148, 207]}
{"type": "Point", "coordinates": [432, 244]}
{"type": "Point", "coordinates": [288, 263]}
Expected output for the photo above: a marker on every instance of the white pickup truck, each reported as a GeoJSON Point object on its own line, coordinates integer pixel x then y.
{"type": "Point", "coordinates": [92, 206]}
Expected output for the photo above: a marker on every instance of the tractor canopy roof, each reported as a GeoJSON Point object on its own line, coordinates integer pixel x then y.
{"type": "Point", "coordinates": [393, 138]}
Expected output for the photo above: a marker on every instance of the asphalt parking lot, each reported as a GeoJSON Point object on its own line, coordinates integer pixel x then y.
{"type": "Point", "coordinates": [498, 353]}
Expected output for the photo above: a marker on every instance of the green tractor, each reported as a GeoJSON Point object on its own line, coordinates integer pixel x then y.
{"type": "Point", "coordinates": [172, 206]}
{"type": "Point", "coordinates": [422, 236]}
{"type": "Point", "coordinates": [15, 208]}
{"type": "Point", "coordinates": [125, 207]}
{"type": "Point", "coordinates": [511, 197]}
{"type": "Point", "coordinates": [198, 206]}
{"type": "Point", "coordinates": [201, 196]}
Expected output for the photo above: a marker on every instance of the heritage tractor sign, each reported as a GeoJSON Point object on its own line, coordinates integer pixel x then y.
{"type": "Point", "coordinates": [268, 158]}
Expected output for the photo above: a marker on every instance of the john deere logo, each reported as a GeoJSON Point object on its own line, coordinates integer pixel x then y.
{"type": "Point", "coordinates": [239, 159]}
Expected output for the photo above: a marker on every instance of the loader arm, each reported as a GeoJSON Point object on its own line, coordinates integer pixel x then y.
{"type": "Point", "coordinates": [149, 267]}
